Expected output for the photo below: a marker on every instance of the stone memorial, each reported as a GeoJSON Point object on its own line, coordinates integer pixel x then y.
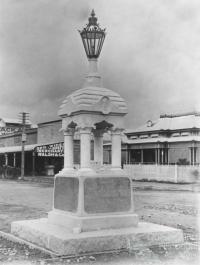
{"type": "Point", "coordinates": [93, 207]}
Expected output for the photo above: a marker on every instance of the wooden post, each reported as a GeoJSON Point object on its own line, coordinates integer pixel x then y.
{"type": "Point", "coordinates": [142, 156]}
{"type": "Point", "coordinates": [33, 163]}
{"type": "Point", "coordinates": [14, 159]}
{"type": "Point", "coordinates": [24, 117]}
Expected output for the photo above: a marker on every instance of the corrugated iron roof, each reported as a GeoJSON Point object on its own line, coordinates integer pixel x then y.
{"type": "Point", "coordinates": [15, 121]}
{"type": "Point", "coordinates": [170, 123]}
{"type": "Point", "coordinates": [163, 139]}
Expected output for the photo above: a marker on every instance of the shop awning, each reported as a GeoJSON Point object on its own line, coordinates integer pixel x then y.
{"type": "Point", "coordinates": [14, 149]}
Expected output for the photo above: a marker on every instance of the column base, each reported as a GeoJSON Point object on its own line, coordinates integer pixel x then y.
{"type": "Point", "coordinates": [92, 223]}
{"type": "Point", "coordinates": [86, 169]}
{"type": "Point", "coordinates": [116, 168]}
{"type": "Point", "coordinates": [66, 171]}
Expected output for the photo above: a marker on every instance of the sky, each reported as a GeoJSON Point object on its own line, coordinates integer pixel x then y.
{"type": "Point", "coordinates": [151, 55]}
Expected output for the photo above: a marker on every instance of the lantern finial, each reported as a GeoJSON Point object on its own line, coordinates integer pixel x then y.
{"type": "Point", "coordinates": [93, 37]}
{"type": "Point", "coordinates": [93, 13]}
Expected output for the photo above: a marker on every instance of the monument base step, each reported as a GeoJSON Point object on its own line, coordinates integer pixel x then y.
{"type": "Point", "coordinates": [92, 223]}
{"type": "Point", "coordinates": [63, 242]}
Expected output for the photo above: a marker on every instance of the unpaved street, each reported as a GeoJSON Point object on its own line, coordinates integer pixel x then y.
{"type": "Point", "coordinates": [26, 200]}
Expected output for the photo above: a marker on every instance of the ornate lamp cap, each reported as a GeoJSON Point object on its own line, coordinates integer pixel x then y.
{"type": "Point", "coordinates": [93, 37]}
{"type": "Point", "coordinates": [92, 19]}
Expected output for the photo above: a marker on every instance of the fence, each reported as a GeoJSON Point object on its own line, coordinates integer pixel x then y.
{"type": "Point", "coordinates": [165, 173]}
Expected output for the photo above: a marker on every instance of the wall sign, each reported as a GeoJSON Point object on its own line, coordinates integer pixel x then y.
{"type": "Point", "coordinates": [56, 150]}
{"type": "Point", "coordinates": [9, 130]}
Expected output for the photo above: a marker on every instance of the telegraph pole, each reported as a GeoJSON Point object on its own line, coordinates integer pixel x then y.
{"type": "Point", "coordinates": [24, 118]}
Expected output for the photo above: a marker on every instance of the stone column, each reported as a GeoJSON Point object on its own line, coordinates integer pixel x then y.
{"type": "Point", "coordinates": [85, 135]}
{"type": "Point", "coordinates": [98, 146]}
{"type": "Point", "coordinates": [93, 78]}
{"type": "Point", "coordinates": [69, 149]}
{"type": "Point", "coordinates": [116, 148]}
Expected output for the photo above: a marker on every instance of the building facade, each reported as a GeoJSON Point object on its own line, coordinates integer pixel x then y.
{"type": "Point", "coordinates": [43, 147]}
{"type": "Point", "coordinates": [172, 139]}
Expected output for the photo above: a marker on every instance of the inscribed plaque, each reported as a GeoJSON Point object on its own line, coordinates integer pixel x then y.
{"type": "Point", "coordinates": [107, 194]}
{"type": "Point", "coordinates": [66, 194]}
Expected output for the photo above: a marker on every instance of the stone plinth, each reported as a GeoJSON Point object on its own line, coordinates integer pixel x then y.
{"type": "Point", "coordinates": [62, 241]}
{"type": "Point", "coordinates": [78, 224]}
{"type": "Point", "coordinates": [66, 191]}
{"type": "Point", "coordinates": [102, 194]}
{"type": "Point", "coordinates": [86, 201]}
{"type": "Point", "coordinates": [92, 212]}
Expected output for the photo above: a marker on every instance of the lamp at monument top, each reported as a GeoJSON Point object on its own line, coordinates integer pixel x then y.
{"type": "Point", "coordinates": [93, 37]}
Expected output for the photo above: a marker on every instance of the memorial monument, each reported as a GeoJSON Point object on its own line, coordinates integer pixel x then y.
{"type": "Point", "coordinates": [93, 208]}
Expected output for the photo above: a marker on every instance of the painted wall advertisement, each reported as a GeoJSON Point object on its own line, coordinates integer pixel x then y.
{"type": "Point", "coordinates": [56, 150]}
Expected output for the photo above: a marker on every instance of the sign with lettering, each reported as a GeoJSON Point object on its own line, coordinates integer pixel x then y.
{"type": "Point", "coordinates": [56, 149]}
{"type": "Point", "coordinates": [9, 130]}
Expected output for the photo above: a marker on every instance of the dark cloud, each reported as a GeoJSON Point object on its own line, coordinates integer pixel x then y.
{"type": "Point", "coordinates": [150, 56]}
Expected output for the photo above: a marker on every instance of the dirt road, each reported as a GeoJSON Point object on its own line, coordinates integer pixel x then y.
{"type": "Point", "coordinates": [26, 200]}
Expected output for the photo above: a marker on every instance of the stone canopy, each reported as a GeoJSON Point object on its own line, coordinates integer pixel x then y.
{"type": "Point", "coordinates": [93, 104]}
{"type": "Point", "coordinates": [93, 99]}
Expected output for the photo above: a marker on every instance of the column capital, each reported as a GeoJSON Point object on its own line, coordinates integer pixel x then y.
{"type": "Point", "coordinates": [68, 131]}
{"type": "Point", "coordinates": [98, 133]}
{"type": "Point", "coordinates": [85, 130]}
{"type": "Point", "coordinates": [116, 131]}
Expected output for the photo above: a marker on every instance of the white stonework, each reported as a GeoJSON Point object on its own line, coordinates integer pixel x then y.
{"type": "Point", "coordinates": [98, 147]}
{"type": "Point", "coordinates": [93, 98]}
{"type": "Point", "coordinates": [85, 142]}
{"type": "Point", "coordinates": [68, 149]}
{"type": "Point", "coordinates": [116, 148]}
{"type": "Point", "coordinates": [63, 242]}
{"type": "Point", "coordinates": [93, 209]}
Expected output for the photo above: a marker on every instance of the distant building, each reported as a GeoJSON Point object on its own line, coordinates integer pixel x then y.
{"type": "Point", "coordinates": [170, 139]}
{"type": "Point", "coordinates": [43, 147]}
{"type": "Point", "coordinates": [9, 126]}
{"type": "Point", "coordinates": [10, 143]}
